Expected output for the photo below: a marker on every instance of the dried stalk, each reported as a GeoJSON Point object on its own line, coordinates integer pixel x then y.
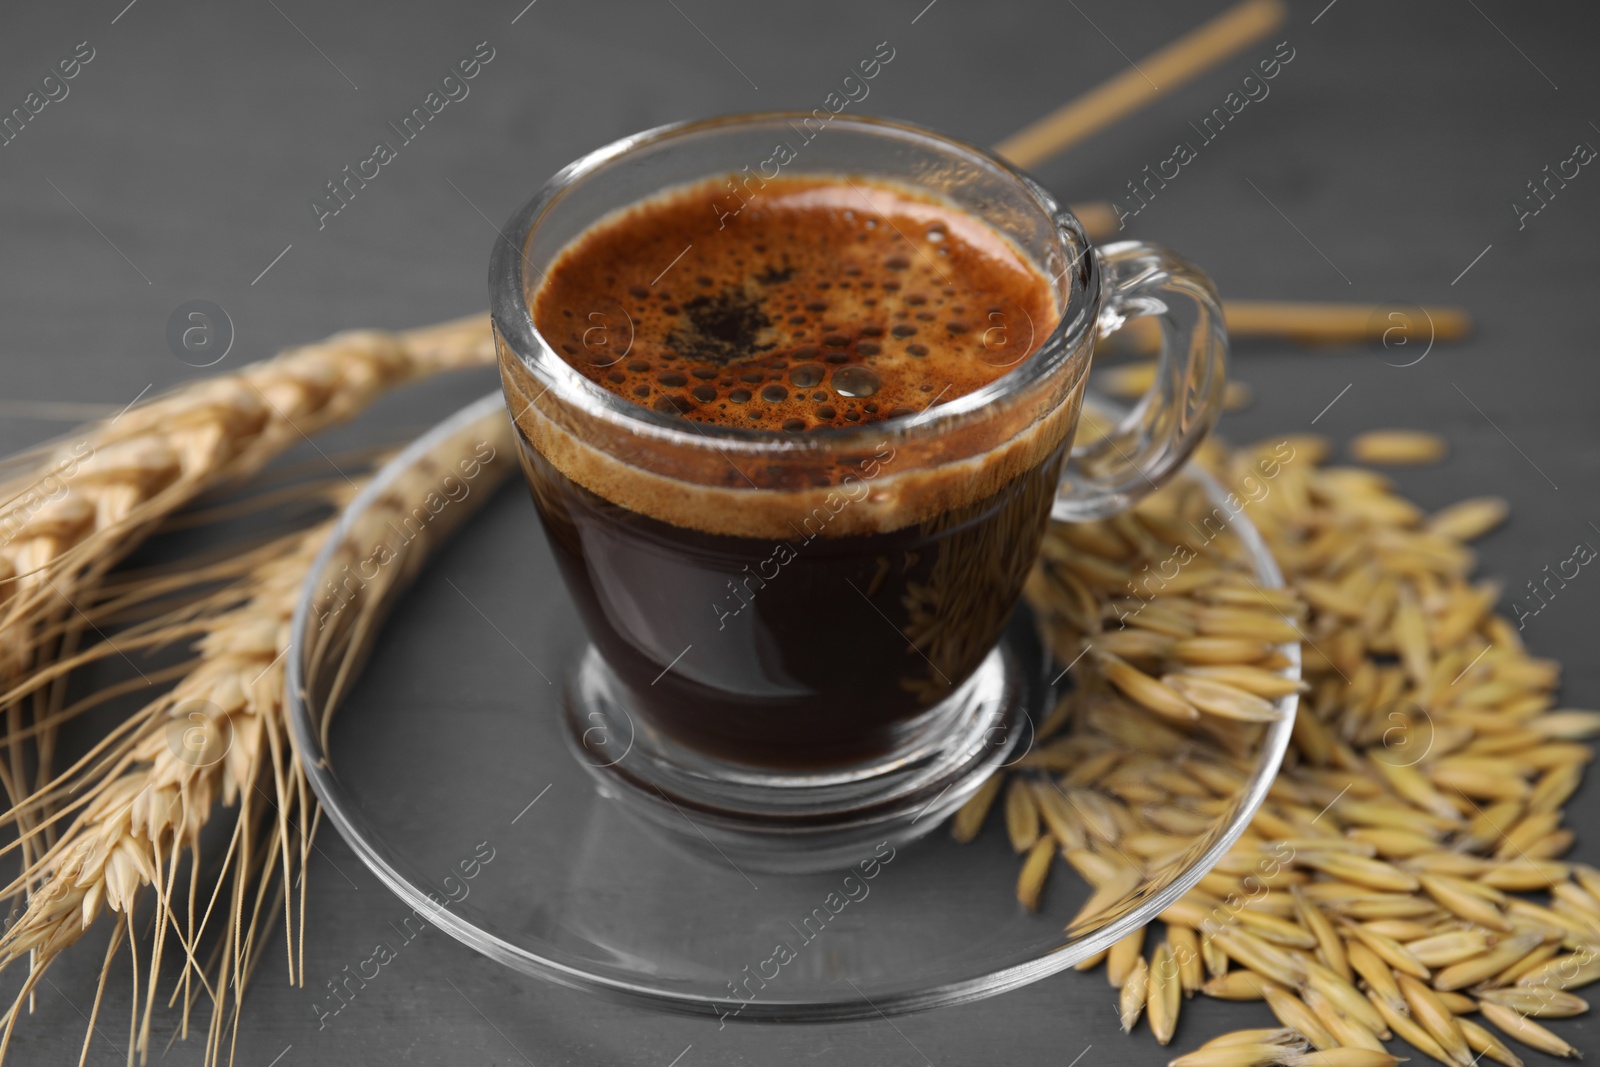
{"type": "Point", "coordinates": [70, 511]}
{"type": "Point", "coordinates": [141, 798]}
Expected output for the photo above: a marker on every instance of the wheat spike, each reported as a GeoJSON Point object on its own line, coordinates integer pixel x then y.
{"type": "Point", "coordinates": [85, 504]}
{"type": "Point", "coordinates": [218, 738]}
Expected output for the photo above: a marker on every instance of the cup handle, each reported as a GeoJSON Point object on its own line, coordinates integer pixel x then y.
{"type": "Point", "coordinates": [1111, 474]}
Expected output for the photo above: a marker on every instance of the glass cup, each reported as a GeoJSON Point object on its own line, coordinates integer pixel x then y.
{"type": "Point", "coordinates": [791, 700]}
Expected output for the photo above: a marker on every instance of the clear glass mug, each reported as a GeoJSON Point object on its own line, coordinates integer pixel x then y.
{"type": "Point", "coordinates": [865, 690]}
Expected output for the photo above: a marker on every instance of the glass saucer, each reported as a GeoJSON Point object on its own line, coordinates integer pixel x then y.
{"type": "Point", "coordinates": [447, 771]}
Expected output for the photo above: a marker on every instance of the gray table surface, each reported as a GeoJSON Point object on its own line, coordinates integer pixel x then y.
{"type": "Point", "coordinates": [1382, 167]}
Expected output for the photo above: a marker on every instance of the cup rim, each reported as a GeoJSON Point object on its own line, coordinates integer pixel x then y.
{"type": "Point", "coordinates": [512, 315]}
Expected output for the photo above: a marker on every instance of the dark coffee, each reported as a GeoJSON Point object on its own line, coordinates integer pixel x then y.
{"type": "Point", "coordinates": [813, 612]}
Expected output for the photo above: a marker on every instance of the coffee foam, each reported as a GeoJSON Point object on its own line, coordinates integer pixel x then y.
{"type": "Point", "coordinates": [884, 487]}
{"type": "Point", "coordinates": [820, 304]}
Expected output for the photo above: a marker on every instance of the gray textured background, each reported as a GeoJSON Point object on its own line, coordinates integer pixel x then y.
{"type": "Point", "coordinates": [1382, 164]}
